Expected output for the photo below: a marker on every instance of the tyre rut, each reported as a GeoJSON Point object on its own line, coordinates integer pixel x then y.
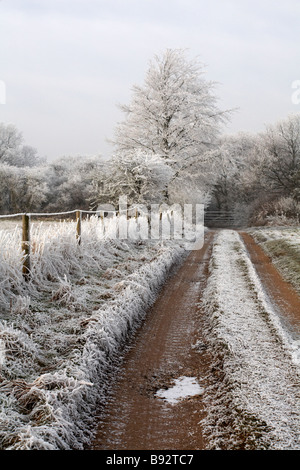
{"type": "Point", "coordinates": [134, 417]}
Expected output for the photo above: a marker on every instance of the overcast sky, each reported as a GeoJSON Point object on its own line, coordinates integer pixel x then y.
{"type": "Point", "coordinates": [66, 64]}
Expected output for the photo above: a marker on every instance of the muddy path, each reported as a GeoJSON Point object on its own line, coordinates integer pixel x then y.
{"type": "Point", "coordinates": [134, 417]}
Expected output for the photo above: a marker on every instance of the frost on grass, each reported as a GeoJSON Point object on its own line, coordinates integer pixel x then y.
{"type": "Point", "coordinates": [253, 397]}
{"type": "Point", "coordinates": [60, 332]}
{"type": "Point", "coordinates": [282, 244]}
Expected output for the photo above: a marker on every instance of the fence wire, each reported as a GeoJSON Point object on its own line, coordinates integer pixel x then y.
{"type": "Point", "coordinates": [53, 214]}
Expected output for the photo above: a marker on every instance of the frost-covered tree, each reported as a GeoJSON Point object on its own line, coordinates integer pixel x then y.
{"type": "Point", "coordinates": [258, 176]}
{"type": "Point", "coordinates": [72, 182]}
{"type": "Point", "coordinates": [281, 155]}
{"type": "Point", "coordinates": [10, 142]}
{"type": "Point", "coordinates": [174, 114]}
{"type": "Point", "coordinates": [12, 150]}
{"type": "Point", "coordinates": [22, 189]}
{"type": "Point", "coordinates": [236, 167]}
{"type": "Point", "coordinates": [141, 176]}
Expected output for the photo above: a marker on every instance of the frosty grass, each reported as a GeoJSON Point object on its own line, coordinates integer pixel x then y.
{"type": "Point", "coordinates": [253, 397]}
{"type": "Point", "coordinates": [282, 244]}
{"type": "Point", "coordinates": [60, 333]}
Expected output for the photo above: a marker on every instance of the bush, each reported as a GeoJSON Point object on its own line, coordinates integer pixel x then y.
{"type": "Point", "coordinates": [280, 211]}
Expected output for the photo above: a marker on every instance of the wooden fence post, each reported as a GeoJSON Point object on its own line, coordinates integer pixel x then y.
{"type": "Point", "coordinates": [26, 246]}
{"type": "Point", "coordinates": [78, 227]}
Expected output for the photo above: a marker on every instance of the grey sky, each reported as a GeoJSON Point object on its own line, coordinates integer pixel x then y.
{"type": "Point", "coordinates": [68, 63]}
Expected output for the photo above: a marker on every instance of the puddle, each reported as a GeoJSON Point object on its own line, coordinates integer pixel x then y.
{"type": "Point", "coordinates": [183, 387]}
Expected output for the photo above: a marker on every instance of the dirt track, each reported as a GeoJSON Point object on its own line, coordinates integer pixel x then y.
{"type": "Point", "coordinates": [134, 418]}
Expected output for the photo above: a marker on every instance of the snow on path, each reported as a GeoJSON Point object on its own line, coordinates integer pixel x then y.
{"type": "Point", "coordinates": [183, 387]}
{"type": "Point", "coordinates": [254, 404]}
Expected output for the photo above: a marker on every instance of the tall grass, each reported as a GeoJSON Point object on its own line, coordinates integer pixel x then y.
{"type": "Point", "coordinates": [60, 332]}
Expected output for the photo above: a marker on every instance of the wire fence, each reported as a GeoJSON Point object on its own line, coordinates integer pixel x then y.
{"type": "Point", "coordinates": [211, 219]}
{"type": "Point", "coordinates": [26, 218]}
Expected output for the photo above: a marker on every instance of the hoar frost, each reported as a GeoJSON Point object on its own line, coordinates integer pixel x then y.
{"type": "Point", "coordinates": [254, 403]}
{"type": "Point", "coordinates": [60, 332]}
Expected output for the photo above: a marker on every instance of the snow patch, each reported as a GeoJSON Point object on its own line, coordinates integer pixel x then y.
{"type": "Point", "coordinates": [184, 387]}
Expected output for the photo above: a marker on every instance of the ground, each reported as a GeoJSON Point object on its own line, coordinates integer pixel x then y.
{"type": "Point", "coordinates": [92, 347]}
{"type": "Point", "coordinates": [212, 322]}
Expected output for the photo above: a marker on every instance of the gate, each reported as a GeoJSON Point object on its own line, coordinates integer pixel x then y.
{"type": "Point", "coordinates": [221, 219]}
